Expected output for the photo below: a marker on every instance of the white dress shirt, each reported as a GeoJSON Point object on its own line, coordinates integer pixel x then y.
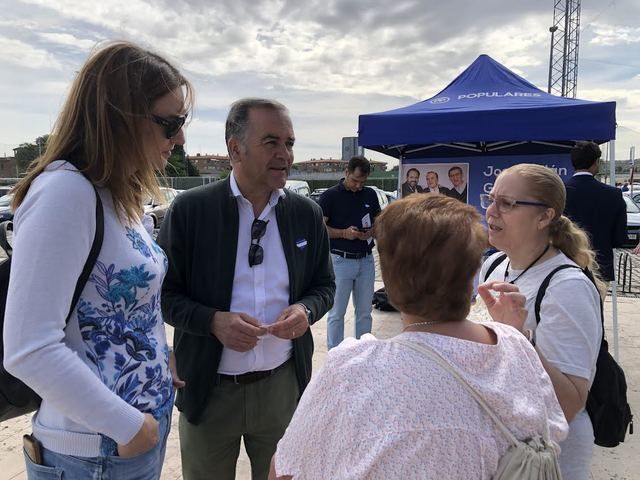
{"type": "Point", "coordinates": [261, 291]}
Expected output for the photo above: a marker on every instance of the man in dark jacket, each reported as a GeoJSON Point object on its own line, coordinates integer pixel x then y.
{"type": "Point", "coordinates": [598, 208]}
{"type": "Point", "coordinates": [411, 185]}
{"type": "Point", "coordinates": [249, 272]}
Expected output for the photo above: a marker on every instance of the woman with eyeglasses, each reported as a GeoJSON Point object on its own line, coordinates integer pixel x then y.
{"type": "Point", "coordinates": [525, 221]}
{"type": "Point", "coordinates": [101, 364]}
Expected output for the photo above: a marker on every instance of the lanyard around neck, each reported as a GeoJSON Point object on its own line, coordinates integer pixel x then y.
{"type": "Point", "coordinates": [506, 272]}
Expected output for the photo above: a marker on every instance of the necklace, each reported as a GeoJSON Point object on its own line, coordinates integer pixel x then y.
{"type": "Point", "coordinates": [430, 322]}
{"type": "Point", "coordinates": [506, 272]}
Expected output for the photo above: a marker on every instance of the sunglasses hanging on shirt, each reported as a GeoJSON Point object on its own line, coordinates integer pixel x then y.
{"type": "Point", "coordinates": [256, 252]}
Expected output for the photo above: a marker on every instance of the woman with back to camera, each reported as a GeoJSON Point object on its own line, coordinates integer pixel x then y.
{"type": "Point", "coordinates": [104, 377]}
{"type": "Point", "coordinates": [380, 409]}
{"type": "Point", "coordinates": [524, 215]}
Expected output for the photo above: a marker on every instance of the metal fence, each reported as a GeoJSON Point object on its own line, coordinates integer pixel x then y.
{"type": "Point", "coordinates": [627, 266]}
{"type": "Point", "coordinates": [388, 184]}
{"type": "Point", "coordinates": [185, 183]}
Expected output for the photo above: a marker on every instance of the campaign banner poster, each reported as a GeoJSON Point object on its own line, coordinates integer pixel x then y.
{"type": "Point", "coordinates": [466, 178]}
{"type": "Point", "coordinates": [445, 178]}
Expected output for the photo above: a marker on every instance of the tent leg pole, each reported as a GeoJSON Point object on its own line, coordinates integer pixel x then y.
{"type": "Point", "coordinates": [614, 309]}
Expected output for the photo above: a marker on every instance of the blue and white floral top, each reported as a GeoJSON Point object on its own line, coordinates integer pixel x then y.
{"type": "Point", "coordinates": [109, 366]}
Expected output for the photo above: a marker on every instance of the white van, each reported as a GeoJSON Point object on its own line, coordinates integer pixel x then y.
{"type": "Point", "coordinates": [298, 186]}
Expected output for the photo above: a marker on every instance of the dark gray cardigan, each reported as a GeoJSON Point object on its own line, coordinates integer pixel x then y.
{"type": "Point", "coordinates": [200, 237]}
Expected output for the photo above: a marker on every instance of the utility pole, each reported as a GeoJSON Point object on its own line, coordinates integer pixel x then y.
{"type": "Point", "coordinates": [563, 57]}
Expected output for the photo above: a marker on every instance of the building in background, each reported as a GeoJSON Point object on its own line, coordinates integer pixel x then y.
{"type": "Point", "coordinates": [8, 167]}
{"type": "Point", "coordinates": [217, 166]}
{"type": "Point", "coordinates": [350, 148]}
{"type": "Point", "coordinates": [331, 165]}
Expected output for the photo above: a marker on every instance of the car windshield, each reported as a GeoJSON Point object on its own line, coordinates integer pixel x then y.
{"type": "Point", "coordinates": [5, 201]}
{"type": "Point", "coordinates": [631, 206]}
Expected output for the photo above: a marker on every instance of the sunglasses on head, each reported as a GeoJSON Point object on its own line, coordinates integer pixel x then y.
{"type": "Point", "coordinates": [256, 252]}
{"type": "Point", "coordinates": [171, 125]}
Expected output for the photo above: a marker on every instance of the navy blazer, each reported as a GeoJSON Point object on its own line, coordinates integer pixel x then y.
{"type": "Point", "coordinates": [600, 210]}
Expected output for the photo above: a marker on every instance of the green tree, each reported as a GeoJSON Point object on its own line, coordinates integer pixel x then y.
{"type": "Point", "coordinates": [178, 164]}
{"type": "Point", "coordinates": [26, 153]}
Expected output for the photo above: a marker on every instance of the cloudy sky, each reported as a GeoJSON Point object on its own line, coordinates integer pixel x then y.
{"type": "Point", "coordinates": [327, 60]}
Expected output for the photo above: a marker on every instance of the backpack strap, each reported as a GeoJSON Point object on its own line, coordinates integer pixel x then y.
{"type": "Point", "coordinates": [4, 242]}
{"type": "Point", "coordinates": [493, 265]}
{"type": "Point", "coordinates": [93, 254]}
{"type": "Point", "coordinates": [545, 284]}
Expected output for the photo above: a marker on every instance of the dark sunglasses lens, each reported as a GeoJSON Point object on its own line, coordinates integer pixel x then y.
{"type": "Point", "coordinates": [258, 228]}
{"type": "Point", "coordinates": [172, 127]}
{"type": "Point", "coordinates": [256, 255]}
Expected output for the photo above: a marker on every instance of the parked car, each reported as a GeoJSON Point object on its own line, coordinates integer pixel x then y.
{"type": "Point", "coordinates": [633, 222]}
{"type": "Point", "coordinates": [298, 186]}
{"type": "Point", "coordinates": [5, 189]}
{"type": "Point", "coordinates": [383, 200]}
{"type": "Point", "coordinates": [157, 209]}
{"type": "Point", "coordinates": [391, 196]}
{"type": "Point", "coordinates": [315, 195]}
{"type": "Point", "coordinates": [5, 208]}
{"type": "Point", "coordinates": [635, 197]}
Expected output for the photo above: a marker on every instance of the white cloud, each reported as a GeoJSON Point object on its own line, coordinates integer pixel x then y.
{"type": "Point", "coordinates": [16, 52]}
{"type": "Point", "coordinates": [610, 35]}
{"type": "Point", "coordinates": [327, 60]}
{"type": "Point", "coordinates": [68, 40]}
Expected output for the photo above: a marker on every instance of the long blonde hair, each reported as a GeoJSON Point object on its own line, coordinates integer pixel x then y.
{"type": "Point", "coordinates": [100, 128]}
{"type": "Point", "coordinates": [546, 186]}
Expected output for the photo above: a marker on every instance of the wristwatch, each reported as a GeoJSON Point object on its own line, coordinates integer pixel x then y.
{"type": "Point", "coordinates": [307, 311]}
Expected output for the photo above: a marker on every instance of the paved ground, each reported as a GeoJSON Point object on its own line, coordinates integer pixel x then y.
{"type": "Point", "coordinates": [622, 463]}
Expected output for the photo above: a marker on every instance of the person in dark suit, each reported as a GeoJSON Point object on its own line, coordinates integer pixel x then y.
{"type": "Point", "coordinates": [411, 185]}
{"type": "Point", "coordinates": [597, 208]}
{"type": "Point", "coordinates": [459, 189]}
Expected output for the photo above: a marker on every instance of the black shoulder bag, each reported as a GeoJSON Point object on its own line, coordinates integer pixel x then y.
{"type": "Point", "coordinates": [16, 398]}
{"type": "Point", "coordinates": [607, 404]}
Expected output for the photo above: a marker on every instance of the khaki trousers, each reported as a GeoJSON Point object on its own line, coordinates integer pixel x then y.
{"type": "Point", "coordinates": [258, 413]}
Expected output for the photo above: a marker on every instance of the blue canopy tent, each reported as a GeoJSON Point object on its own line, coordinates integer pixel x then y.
{"type": "Point", "coordinates": [487, 109]}
{"type": "Point", "coordinates": [487, 119]}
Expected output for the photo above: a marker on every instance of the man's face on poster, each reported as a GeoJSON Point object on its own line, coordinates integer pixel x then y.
{"type": "Point", "coordinates": [412, 177]}
{"type": "Point", "coordinates": [456, 177]}
{"type": "Point", "coordinates": [432, 180]}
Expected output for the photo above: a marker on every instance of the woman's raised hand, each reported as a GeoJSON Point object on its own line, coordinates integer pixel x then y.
{"type": "Point", "coordinates": [508, 306]}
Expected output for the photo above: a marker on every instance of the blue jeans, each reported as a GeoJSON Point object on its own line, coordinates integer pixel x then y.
{"type": "Point", "coordinates": [357, 275]}
{"type": "Point", "coordinates": [146, 466]}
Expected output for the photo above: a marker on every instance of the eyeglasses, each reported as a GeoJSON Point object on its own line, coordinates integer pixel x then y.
{"type": "Point", "coordinates": [506, 204]}
{"type": "Point", "coordinates": [171, 125]}
{"type": "Point", "coordinates": [256, 253]}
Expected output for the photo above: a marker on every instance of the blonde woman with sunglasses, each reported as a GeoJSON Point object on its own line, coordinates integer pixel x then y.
{"type": "Point", "coordinates": [103, 375]}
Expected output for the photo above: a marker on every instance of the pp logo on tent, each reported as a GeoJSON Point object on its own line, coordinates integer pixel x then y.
{"type": "Point", "coordinates": [440, 100]}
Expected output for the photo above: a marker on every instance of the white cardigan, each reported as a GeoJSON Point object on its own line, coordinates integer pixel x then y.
{"type": "Point", "coordinates": [110, 364]}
